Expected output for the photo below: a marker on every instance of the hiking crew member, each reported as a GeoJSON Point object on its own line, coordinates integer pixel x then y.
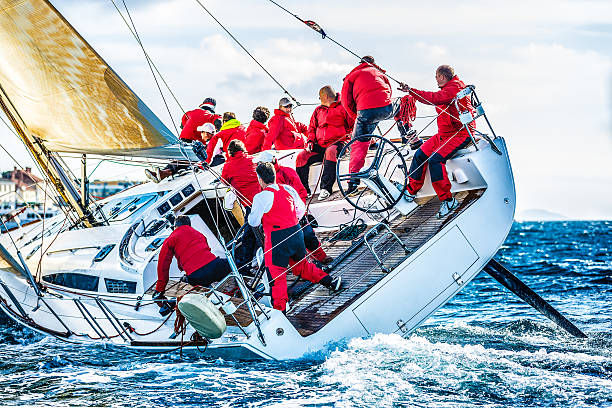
{"type": "Point", "coordinates": [278, 207]}
{"type": "Point", "coordinates": [288, 176]}
{"type": "Point", "coordinates": [193, 256]}
{"type": "Point", "coordinates": [197, 117]}
{"type": "Point", "coordinates": [285, 133]}
{"type": "Point", "coordinates": [239, 172]}
{"type": "Point", "coordinates": [231, 129]}
{"type": "Point", "coordinates": [330, 127]}
{"type": "Point", "coordinates": [256, 132]}
{"type": "Point", "coordinates": [451, 137]}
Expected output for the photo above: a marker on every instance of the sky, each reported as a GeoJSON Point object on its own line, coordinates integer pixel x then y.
{"type": "Point", "coordinates": [543, 70]}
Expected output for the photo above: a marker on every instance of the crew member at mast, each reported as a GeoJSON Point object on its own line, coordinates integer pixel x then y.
{"type": "Point", "coordinates": [193, 119]}
{"type": "Point", "coordinates": [330, 127]}
{"type": "Point", "coordinates": [288, 176]}
{"type": "Point", "coordinates": [278, 207]}
{"type": "Point", "coordinates": [193, 255]}
{"type": "Point", "coordinates": [285, 132]}
{"type": "Point", "coordinates": [451, 136]}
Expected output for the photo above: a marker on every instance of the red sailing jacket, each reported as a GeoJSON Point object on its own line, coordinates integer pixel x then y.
{"type": "Point", "coordinates": [448, 117]}
{"type": "Point", "coordinates": [239, 172]}
{"type": "Point", "coordinates": [255, 135]}
{"type": "Point", "coordinates": [232, 129]}
{"type": "Point", "coordinates": [189, 247]}
{"type": "Point", "coordinates": [365, 87]}
{"type": "Point", "coordinates": [285, 133]}
{"type": "Point", "coordinates": [288, 176]}
{"type": "Point", "coordinates": [192, 119]}
{"type": "Point", "coordinates": [329, 125]}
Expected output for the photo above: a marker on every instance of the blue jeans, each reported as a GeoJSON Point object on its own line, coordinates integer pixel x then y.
{"type": "Point", "coordinates": [368, 119]}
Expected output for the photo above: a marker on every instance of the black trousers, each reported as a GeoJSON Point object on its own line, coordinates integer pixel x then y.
{"type": "Point", "coordinates": [213, 271]}
{"type": "Point", "coordinates": [248, 243]}
{"type": "Point", "coordinates": [328, 178]}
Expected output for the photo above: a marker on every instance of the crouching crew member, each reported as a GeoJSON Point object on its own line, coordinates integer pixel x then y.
{"type": "Point", "coordinates": [256, 132]}
{"type": "Point", "coordinates": [285, 132]}
{"type": "Point", "coordinates": [231, 129]}
{"type": "Point", "coordinates": [451, 137]}
{"type": "Point", "coordinates": [193, 256]}
{"type": "Point", "coordinates": [278, 207]}
{"type": "Point", "coordinates": [286, 175]}
{"type": "Point", "coordinates": [330, 127]}
{"type": "Point", "coordinates": [193, 119]}
{"type": "Point", "coordinates": [239, 172]}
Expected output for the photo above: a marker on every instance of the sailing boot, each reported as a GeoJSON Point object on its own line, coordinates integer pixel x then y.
{"type": "Point", "coordinates": [334, 284]}
{"type": "Point", "coordinates": [152, 175]}
{"type": "Point", "coordinates": [447, 207]}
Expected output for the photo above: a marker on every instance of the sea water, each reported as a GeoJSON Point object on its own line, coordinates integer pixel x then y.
{"type": "Point", "coordinates": [485, 348]}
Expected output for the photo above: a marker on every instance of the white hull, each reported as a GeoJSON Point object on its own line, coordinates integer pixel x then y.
{"type": "Point", "coordinates": [398, 303]}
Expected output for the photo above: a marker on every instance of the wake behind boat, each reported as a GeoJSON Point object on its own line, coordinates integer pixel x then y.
{"type": "Point", "coordinates": [89, 274]}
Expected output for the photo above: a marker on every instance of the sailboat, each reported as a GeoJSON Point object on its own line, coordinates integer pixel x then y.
{"type": "Point", "coordinates": [88, 274]}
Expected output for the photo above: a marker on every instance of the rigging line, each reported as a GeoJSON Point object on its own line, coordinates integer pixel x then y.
{"type": "Point", "coordinates": [248, 53]}
{"type": "Point", "coordinates": [318, 29]}
{"type": "Point", "coordinates": [150, 60]}
{"type": "Point", "coordinates": [150, 66]}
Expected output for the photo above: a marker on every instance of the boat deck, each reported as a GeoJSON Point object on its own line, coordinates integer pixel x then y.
{"type": "Point", "coordinates": [313, 306]}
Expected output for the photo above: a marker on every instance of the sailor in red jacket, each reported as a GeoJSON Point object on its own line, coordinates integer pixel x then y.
{"type": "Point", "coordinates": [197, 117]}
{"type": "Point", "coordinates": [193, 256]}
{"type": "Point", "coordinates": [451, 136]}
{"type": "Point", "coordinates": [330, 127]}
{"type": "Point", "coordinates": [278, 207]}
{"type": "Point", "coordinates": [285, 132]}
{"type": "Point", "coordinates": [288, 176]}
{"type": "Point", "coordinates": [231, 129]}
{"type": "Point", "coordinates": [256, 132]}
{"type": "Point", "coordinates": [239, 172]}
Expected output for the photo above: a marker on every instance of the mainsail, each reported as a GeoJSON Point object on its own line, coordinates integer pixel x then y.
{"type": "Point", "coordinates": [64, 92]}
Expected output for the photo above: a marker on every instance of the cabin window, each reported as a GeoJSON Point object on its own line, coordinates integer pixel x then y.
{"type": "Point", "coordinates": [74, 281]}
{"type": "Point", "coordinates": [119, 286]}
{"type": "Point", "coordinates": [121, 209]}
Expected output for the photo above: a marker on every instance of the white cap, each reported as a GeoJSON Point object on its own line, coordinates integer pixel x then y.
{"type": "Point", "coordinates": [265, 157]}
{"type": "Point", "coordinates": [207, 127]}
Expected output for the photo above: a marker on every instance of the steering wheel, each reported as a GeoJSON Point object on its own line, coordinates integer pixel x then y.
{"type": "Point", "coordinates": [385, 177]}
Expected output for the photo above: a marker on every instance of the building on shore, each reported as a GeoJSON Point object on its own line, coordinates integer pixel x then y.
{"type": "Point", "coordinates": [101, 189]}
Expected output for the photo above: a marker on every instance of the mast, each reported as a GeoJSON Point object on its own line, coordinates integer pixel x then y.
{"type": "Point", "coordinates": [46, 162]}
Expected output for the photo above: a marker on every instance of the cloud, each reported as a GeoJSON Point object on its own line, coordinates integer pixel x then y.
{"type": "Point", "coordinates": [543, 69]}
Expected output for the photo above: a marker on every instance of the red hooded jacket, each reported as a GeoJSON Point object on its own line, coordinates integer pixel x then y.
{"type": "Point", "coordinates": [239, 172]}
{"type": "Point", "coordinates": [448, 117]}
{"type": "Point", "coordinates": [285, 133]}
{"type": "Point", "coordinates": [255, 135]}
{"type": "Point", "coordinates": [288, 176]}
{"type": "Point", "coordinates": [365, 87]}
{"type": "Point", "coordinates": [329, 125]}
{"type": "Point", "coordinates": [232, 129]}
{"type": "Point", "coordinates": [192, 119]}
{"type": "Point", "coordinates": [191, 250]}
